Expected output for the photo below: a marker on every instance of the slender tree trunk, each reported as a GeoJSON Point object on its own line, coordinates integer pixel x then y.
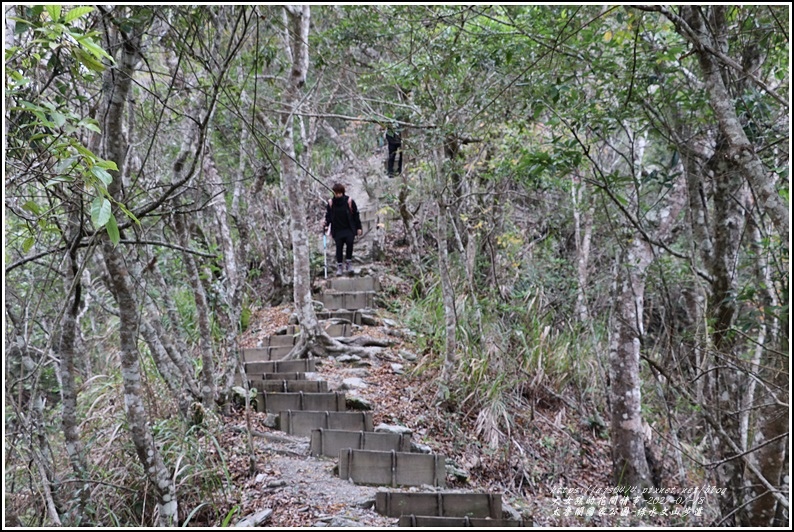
{"type": "Point", "coordinates": [67, 351]}
{"type": "Point", "coordinates": [630, 467]}
{"type": "Point", "coordinates": [170, 373]}
{"type": "Point", "coordinates": [447, 290]}
{"type": "Point", "coordinates": [119, 81]}
{"type": "Point", "coordinates": [148, 454]}
{"type": "Point", "coordinates": [171, 340]}
{"type": "Point", "coordinates": [770, 408]}
{"type": "Point", "coordinates": [202, 316]}
{"type": "Point", "coordinates": [582, 235]}
{"type": "Point", "coordinates": [294, 180]}
{"type": "Point", "coordinates": [711, 33]}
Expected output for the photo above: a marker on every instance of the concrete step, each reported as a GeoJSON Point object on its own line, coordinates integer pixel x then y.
{"type": "Point", "coordinates": [302, 422]}
{"type": "Point", "coordinates": [439, 504]}
{"type": "Point", "coordinates": [353, 316]}
{"type": "Point", "coordinates": [392, 468]}
{"type": "Point", "coordinates": [279, 366]}
{"type": "Point", "coordinates": [278, 340]}
{"type": "Point", "coordinates": [347, 300]}
{"type": "Point", "coordinates": [329, 442]}
{"type": "Point", "coordinates": [355, 284]}
{"type": "Point", "coordinates": [263, 354]}
{"type": "Point", "coordinates": [339, 329]}
{"type": "Point", "coordinates": [280, 402]}
{"type": "Point", "coordinates": [287, 385]}
{"type": "Point", "coordinates": [290, 376]}
{"type": "Point", "coordinates": [368, 214]}
{"type": "Point", "coordinates": [457, 522]}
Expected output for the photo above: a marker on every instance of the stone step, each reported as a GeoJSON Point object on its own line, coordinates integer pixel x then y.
{"type": "Point", "coordinates": [329, 442]}
{"type": "Point", "coordinates": [457, 522]}
{"type": "Point", "coordinates": [355, 284]}
{"type": "Point", "coordinates": [347, 300]}
{"type": "Point", "coordinates": [392, 468]}
{"type": "Point", "coordinates": [279, 366]}
{"type": "Point", "coordinates": [280, 402]}
{"type": "Point", "coordinates": [290, 385]}
{"type": "Point", "coordinates": [302, 422]}
{"type": "Point", "coordinates": [439, 504]}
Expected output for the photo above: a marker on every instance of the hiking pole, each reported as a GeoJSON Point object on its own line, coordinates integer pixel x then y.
{"type": "Point", "coordinates": [325, 257]}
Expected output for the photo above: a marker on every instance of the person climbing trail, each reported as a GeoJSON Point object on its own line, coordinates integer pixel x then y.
{"type": "Point", "coordinates": [344, 222]}
{"type": "Point", "coordinates": [394, 140]}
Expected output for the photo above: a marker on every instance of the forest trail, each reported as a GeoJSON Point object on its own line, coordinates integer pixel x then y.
{"type": "Point", "coordinates": [332, 430]}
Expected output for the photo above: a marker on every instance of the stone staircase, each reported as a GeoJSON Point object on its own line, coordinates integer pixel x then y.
{"type": "Point", "coordinates": [384, 456]}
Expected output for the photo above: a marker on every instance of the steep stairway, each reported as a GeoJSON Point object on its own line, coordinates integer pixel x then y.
{"type": "Point", "coordinates": [382, 456]}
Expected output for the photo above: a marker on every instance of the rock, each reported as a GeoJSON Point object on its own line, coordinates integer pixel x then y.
{"type": "Point", "coordinates": [354, 402]}
{"type": "Point", "coordinates": [365, 504]}
{"type": "Point", "coordinates": [394, 429]}
{"type": "Point", "coordinates": [407, 355]}
{"type": "Point", "coordinates": [508, 512]}
{"type": "Point", "coordinates": [348, 358]}
{"type": "Point", "coordinates": [420, 448]}
{"type": "Point", "coordinates": [390, 323]}
{"type": "Point", "coordinates": [339, 522]}
{"type": "Point", "coordinates": [368, 319]}
{"type": "Point", "coordinates": [455, 471]}
{"type": "Point", "coordinates": [255, 519]}
{"type": "Point", "coordinates": [239, 393]}
{"type": "Point", "coordinates": [393, 279]}
{"type": "Point", "coordinates": [360, 372]}
{"type": "Point", "coordinates": [397, 368]}
{"type": "Point", "coordinates": [352, 383]}
{"type": "Point", "coordinates": [271, 421]}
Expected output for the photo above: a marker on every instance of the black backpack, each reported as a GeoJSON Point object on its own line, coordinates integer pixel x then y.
{"type": "Point", "coordinates": [337, 213]}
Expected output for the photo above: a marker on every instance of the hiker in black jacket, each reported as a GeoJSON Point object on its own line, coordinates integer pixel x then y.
{"type": "Point", "coordinates": [341, 214]}
{"type": "Point", "coordinates": [394, 140]}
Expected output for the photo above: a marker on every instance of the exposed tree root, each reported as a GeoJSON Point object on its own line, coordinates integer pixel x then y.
{"type": "Point", "coordinates": [319, 344]}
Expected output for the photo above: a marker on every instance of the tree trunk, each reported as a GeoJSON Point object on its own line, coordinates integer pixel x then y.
{"type": "Point", "coordinates": [66, 350]}
{"type": "Point", "coordinates": [67, 373]}
{"type": "Point", "coordinates": [119, 80]}
{"type": "Point", "coordinates": [171, 339]}
{"type": "Point", "coordinates": [171, 375]}
{"type": "Point", "coordinates": [629, 466]}
{"type": "Point", "coordinates": [702, 33]}
{"type": "Point", "coordinates": [232, 282]}
{"type": "Point", "coordinates": [582, 235]}
{"type": "Point", "coordinates": [202, 315]}
{"type": "Point", "coordinates": [153, 465]}
{"type": "Point", "coordinates": [294, 180]}
{"type": "Point", "coordinates": [447, 290]}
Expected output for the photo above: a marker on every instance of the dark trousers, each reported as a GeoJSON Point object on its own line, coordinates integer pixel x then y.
{"type": "Point", "coordinates": [395, 155]}
{"type": "Point", "coordinates": [342, 240]}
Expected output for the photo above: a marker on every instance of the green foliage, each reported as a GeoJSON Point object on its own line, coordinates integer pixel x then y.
{"type": "Point", "coordinates": [42, 126]}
